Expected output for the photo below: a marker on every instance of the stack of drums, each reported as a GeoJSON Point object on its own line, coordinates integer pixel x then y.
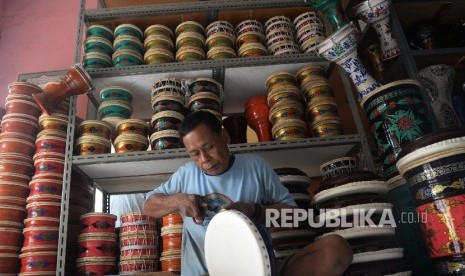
{"type": "Point", "coordinates": [43, 204]}
{"type": "Point", "coordinates": [2, 113]}
{"type": "Point", "coordinates": [138, 243]}
{"type": "Point", "coordinates": [206, 94]}
{"type": "Point", "coordinates": [127, 46]}
{"type": "Point", "coordinates": [158, 44]}
{"type": "Point", "coordinates": [250, 39]}
{"type": "Point", "coordinates": [354, 206]}
{"type": "Point", "coordinates": [286, 110]}
{"type": "Point", "coordinates": [171, 234]}
{"type": "Point", "coordinates": [433, 166]}
{"type": "Point", "coordinates": [168, 102]}
{"type": "Point", "coordinates": [97, 244]}
{"type": "Point", "coordinates": [280, 36]}
{"type": "Point", "coordinates": [290, 240]}
{"type": "Point", "coordinates": [131, 136]}
{"type": "Point", "coordinates": [310, 31]}
{"type": "Point", "coordinates": [321, 109]}
{"type": "Point", "coordinates": [94, 137]}
{"type": "Point", "coordinates": [220, 40]}
{"type": "Point", "coordinates": [98, 47]}
{"type": "Point", "coordinates": [19, 129]}
{"type": "Point", "coordinates": [190, 41]}
{"type": "Point", "coordinates": [116, 104]}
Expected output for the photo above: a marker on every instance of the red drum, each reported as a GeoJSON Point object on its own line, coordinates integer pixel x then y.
{"type": "Point", "coordinates": [96, 266]}
{"type": "Point", "coordinates": [171, 263]}
{"type": "Point", "coordinates": [144, 238]}
{"type": "Point", "coordinates": [38, 261]}
{"type": "Point", "coordinates": [49, 165]}
{"type": "Point", "coordinates": [98, 222]}
{"type": "Point", "coordinates": [40, 238]}
{"type": "Point", "coordinates": [137, 227]}
{"type": "Point", "coordinates": [140, 265]}
{"type": "Point", "coordinates": [23, 88]}
{"type": "Point", "coordinates": [11, 237]}
{"type": "Point", "coordinates": [97, 245]}
{"type": "Point", "coordinates": [172, 219]}
{"type": "Point", "coordinates": [21, 106]}
{"type": "Point", "coordinates": [43, 209]}
{"type": "Point", "coordinates": [45, 186]}
{"type": "Point", "coordinates": [9, 263]}
{"type": "Point", "coordinates": [19, 124]}
{"type": "Point", "coordinates": [132, 220]}
{"type": "Point", "coordinates": [13, 188]}
{"type": "Point", "coordinates": [12, 213]}
{"type": "Point", "coordinates": [139, 252]}
{"type": "Point", "coordinates": [16, 167]}
{"type": "Point", "coordinates": [41, 222]}
{"type": "Point", "coordinates": [13, 200]}
{"type": "Point", "coordinates": [50, 144]}
{"type": "Point", "coordinates": [16, 145]}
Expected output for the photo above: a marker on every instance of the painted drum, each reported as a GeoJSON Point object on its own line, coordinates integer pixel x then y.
{"type": "Point", "coordinates": [50, 143]}
{"type": "Point", "coordinates": [139, 252]}
{"type": "Point", "coordinates": [433, 167]}
{"type": "Point", "coordinates": [167, 85]}
{"type": "Point", "coordinates": [45, 186]}
{"type": "Point", "coordinates": [128, 29]}
{"type": "Point", "coordinates": [143, 265]}
{"type": "Point", "coordinates": [126, 57]}
{"type": "Point", "coordinates": [282, 94]}
{"type": "Point", "coordinates": [158, 56]}
{"type": "Point", "coordinates": [55, 121]}
{"type": "Point", "coordinates": [189, 26]}
{"type": "Point", "coordinates": [158, 29]}
{"type": "Point", "coordinates": [220, 40]}
{"type": "Point", "coordinates": [206, 85]}
{"type": "Point", "coordinates": [217, 53]}
{"type": "Point", "coordinates": [307, 18]}
{"type": "Point", "coordinates": [220, 26]}
{"type": "Point", "coordinates": [321, 108]}
{"type": "Point", "coordinates": [289, 129]}
{"type": "Point", "coordinates": [128, 42]}
{"type": "Point", "coordinates": [171, 237]}
{"type": "Point", "coordinates": [40, 239]}
{"type": "Point", "coordinates": [165, 120]}
{"type": "Point", "coordinates": [205, 100]}
{"type": "Point", "coordinates": [98, 222]}
{"type": "Point", "coordinates": [189, 53]}
{"type": "Point", "coordinates": [9, 263]}
{"type": "Point", "coordinates": [89, 144]}
{"type": "Point", "coordinates": [136, 217]}
{"type": "Point", "coordinates": [252, 50]}
{"type": "Point", "coordinates": [335, 167]}
{"type": "Point", "coordinates": [115, 109]}
{"type": "Point", "coordinates": [190, 39]}
{"type": "Point", "coordinates": [13, 200]}
{"type": "Point", "coordinates": [280, 79]}
{"type": "Point", "coordinates": [15, 177]}
{"type": "Point", "coordinates": [43, 209]}
{"type": "Point", "coordinates": [14, 166]}
{"type": "Point", "coordinates": [278, 22]}
{"type": "Point", "coordinates": [95, 60]}
{"type": "Point", "coordinates": [397, 116]}
{"type": "Point", "coordinates": [165, 139]}
{"type": "Point", "coordinates": [23, 88]}
{"type": "Point", "coordinates": [286, 110]}
{"type": "Point", "coordinates": [96, 30]}
{"type": "Point", "coordinates": [170, 102]}
{"type": "Point", "coordinates": [95, 128]}
{"type": "Point", "coordinates": [133, 126]}
{"type": "Point", "coordinates": [250, 238]}
{"type": "Point", "coordinates": [145, 237]}
{"type": "Point", "coordinates": [408, 231]}
{"type": "Point", "coordinates": [130, 142]}
{"type": "Point", "coordinates": [327, 128]}
{"type": "Point", "coordinates": [310, 73]}
{"type": "Point", "coordinates": [159, 42]}
{"type": "Point", "coordinates": [249, 25]}
{"type": "Point", "coordinates": [98, 45]}
{"type": "Point", "coordinates": [8, 145]}
{"type": "Point", "coordinates": [38, 261]}
{"type": "Point", "coordinates": [115, 93]}
{"type": "Point", "coordinates": [317, 89]}
{"type": "Point", "coordinates": [250, 37]}
{"type": "Point", "coordinates": [97, 245]}
{"type": "Point", "coordinates": [170, 262]}
{"type": "Point", "coordinates": [41, 222]}
{"type": "Point", "coordinates": [49, 165]}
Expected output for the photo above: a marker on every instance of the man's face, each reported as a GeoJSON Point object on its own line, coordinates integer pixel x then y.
{"type": "Point", "coordinates": [207, 149]}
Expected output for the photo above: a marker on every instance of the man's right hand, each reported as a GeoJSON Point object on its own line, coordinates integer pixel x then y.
{"type": "Point", "coordinates": [192, 205]}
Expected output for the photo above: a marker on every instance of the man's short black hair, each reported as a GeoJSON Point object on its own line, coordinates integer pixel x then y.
{"type": "Point", "coordinates": [196, 118]}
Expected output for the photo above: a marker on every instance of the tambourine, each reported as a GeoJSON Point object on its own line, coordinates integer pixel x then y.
{"type": "Point", "coordinates": [249, 26]}
{"type": "Point", "coordinates": [246, 246]}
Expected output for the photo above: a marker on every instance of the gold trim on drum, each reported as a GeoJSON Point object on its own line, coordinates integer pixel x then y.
{"type": "Point", "coordinates": [221, 53]}
{"type": "Point", "coordinates": [280, 79]}
{"type": "Point", "coordinates": [164, 29]}
{"type": "Point", "coordinates": [192, 26]}
{"type": "Point", "coordinates": [252, 50]}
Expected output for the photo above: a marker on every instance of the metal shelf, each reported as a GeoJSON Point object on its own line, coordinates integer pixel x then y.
{"type": "Point", "coordinates": [238, 85]}
{"type": "Point", "coordinates": [186, 7]}
{"type": "Point", "coordinates": [438, 52]}
{"type": "Point", "coordinates": [142, 171]}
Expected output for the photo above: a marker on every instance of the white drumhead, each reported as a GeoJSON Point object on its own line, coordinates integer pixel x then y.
{"type": "Point", "coordinates": [234, 246]}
